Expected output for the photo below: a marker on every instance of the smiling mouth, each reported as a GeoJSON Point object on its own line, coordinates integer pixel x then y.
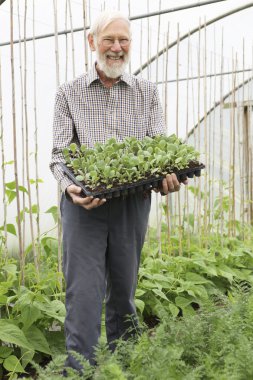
{"type": "Point", "coordinates": [114, 58]}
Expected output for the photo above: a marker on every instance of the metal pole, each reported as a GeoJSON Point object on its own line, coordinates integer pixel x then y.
{"type": "Point", "coordinates": [151, 14]}
{"type": "Point", "coordinates": [205, 76]}
{"type": "Point", "coordinates": [186, 35]}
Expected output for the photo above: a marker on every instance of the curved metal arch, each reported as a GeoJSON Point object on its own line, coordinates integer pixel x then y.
{"type": "Point", "coordinates": [218, 103]}
{"type": "Point", "coordinates": [150, 14]}
{"type": "Point", "coordinates": [217, 18]}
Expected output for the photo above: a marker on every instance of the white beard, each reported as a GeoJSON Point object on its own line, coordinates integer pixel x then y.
{"type": "Point", "coordinates": [117, 69]}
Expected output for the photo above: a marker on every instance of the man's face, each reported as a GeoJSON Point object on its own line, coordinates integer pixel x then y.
{"type": "Point", "coordinates": [112, 47]}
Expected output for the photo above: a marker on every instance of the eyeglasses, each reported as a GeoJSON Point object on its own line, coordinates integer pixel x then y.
{"type": "Point", "coordinates": [109, 42]}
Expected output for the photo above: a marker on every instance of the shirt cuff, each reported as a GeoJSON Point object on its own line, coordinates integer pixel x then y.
{"type": "Point", "coordinates": [64, 183]}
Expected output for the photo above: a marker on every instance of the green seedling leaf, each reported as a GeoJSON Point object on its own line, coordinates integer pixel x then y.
{"type": "Point", "coordinates": [33, 181]}
{"type": "Point", "coordinates": [196, 278]}
{"type": "Point", "coordinates": [23, 189]}
{"type": "Point", "coordinates": [35, 209]}
{"type": "Point", "coordinates": [140, 305]}
{"type": "Point", "coordinates": [182, 302]}
{"type": "Point", "coordinates": [10, 269]}
{"type": "Point", "coordinates": [9, 162]}
{"type": "Point", "coordinates": [159, 293]}
{"type": "Point", "coordinates": [54, 309]}
{"type": "Point", "coordinates": [3, 298]}
{"type": "Point", "coordinates": [54, 212]}
{"type": "Point", "coordinates": [5, 352]}
{"type": "Point", "coordinates": [10, 228]}
{"type": "Point", "coordinates": [29, 314]}
{"type": "Point", "coordinates": [56, 341]}
{"type": "Point", "coordinates": [26, 356]}
{"type": "Point", "coordinates": [139, 292]}
{"type": "Point", "coordinates": [11, 185]}
{"type": "Point", "coordinates": [12, 364]}
{"type": "Point", "coordinates": [37, 339]}
{"type": "Point", "coordinates": [174, 310]}
{"type": "Point", "coordinates": [80, 178]}
{"type": "Point", "coordinates": [10, 333]}
{"type": "Point", "coordinates": [73, 147]}
{"type": "Point", "coordinates": [11, 195]}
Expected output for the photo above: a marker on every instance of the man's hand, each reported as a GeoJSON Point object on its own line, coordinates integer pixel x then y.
{"type": "Point", "coordinates": [88, 202]}
{"type": "Point", "coordinates": [171, 184]}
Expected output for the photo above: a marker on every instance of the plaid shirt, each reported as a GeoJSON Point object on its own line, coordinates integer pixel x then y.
{"type": "Point", "coordinates": [86, 112]}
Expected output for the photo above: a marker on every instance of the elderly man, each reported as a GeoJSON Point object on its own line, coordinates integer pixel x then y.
{"type": "Point", "coordinates": [102, 240]}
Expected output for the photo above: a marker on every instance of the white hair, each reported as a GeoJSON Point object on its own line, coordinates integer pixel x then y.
{"type": "Point", "coordinates": [105, 18]}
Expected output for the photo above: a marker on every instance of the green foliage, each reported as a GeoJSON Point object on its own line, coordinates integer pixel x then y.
{"type": "Point", "coordinates": [180, 284]}
{"type": "Point", "coordinates": [215, 343]}
{"type": "Point", "coordinates": [32, 316]}
{"type": "Point", "coordinates": [117, 163]}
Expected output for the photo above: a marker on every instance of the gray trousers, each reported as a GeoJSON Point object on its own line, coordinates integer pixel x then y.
{"type": "Point", "coordinates": [101, 255]}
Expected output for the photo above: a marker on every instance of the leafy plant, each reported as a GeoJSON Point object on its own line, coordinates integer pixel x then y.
{"type": "Point", "coordinates": [180, 284]}
{"type": "Point", "coordinates": [32, 316]}
{"type": "Point", "coordinates": [215, 343]}
{"type": "Point", "coordinates": [117, 163]}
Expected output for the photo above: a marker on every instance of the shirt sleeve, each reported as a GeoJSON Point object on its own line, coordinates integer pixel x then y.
{"type": "Point", "coordinates": [156, 122]}
{"type": "Point", "coordinates": [63, 135]}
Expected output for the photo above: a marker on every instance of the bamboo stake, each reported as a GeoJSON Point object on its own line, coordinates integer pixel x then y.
{"type": "Point", "coordinates": [243, 145]}
{"type": "Point", "coordinates": [230, 149]}
{"type": "Point", "coordinates": [129, 15]}
{"type": "Point", "coordinates": [148, 49]}
{"type": "Point", "coordinates": [163, 207]}
{"type": "Point", "coordinates": [166, 79]}
{"type": "Point", "coordinates": [221, 146]}
{"type": "Point", "coordinates": [27, 149]}
{"type": "Point", "coordinates": [186, 193]}
{"type": "Point", "coordinates": [85, 39]}
{"type": "Point", "coordinates": [214, 132]}
{"type": "Point", "coordinates": [59, 229]}
{"type": "Point", "coordinates": [177, 83]}
{"type": "Point", "coordinates": [251, 154]}
{"type": "Point", "coordinates": [36, 139]}
{"type": "Point", "coordinates": [210, 131]}
{"type": "Point", "coordinates": [246, 150]}
{"type": "Point", "coordinates": [66, 41]}
{"type": "Point", "coordinates": [158, 41]}
{"type": "Point", "coordinates": [168, 198]}
{"type": "Point", "coordinates": [141, 51]}
{"type": "Point", "coordinates": [246, 107]}
{"type": "Point", "coordinates": [198, 135]}
{"type": "Point", "coordinates": [177, 133]}
{"type": "Point", "coordinates": [90, 52]}
{"type": "Point", "coordinates": [22, 132]}
{"type": "Point", "coordinates": [232, 157]}
{"type": "Point", "coordinates": [250, 136]}
{"type": "Point", "coordinates": [21, 252]}
{"type": "Point", "coordinates": [56, 44]}
{"type": "Point", "coordinates": [194, 143]}
{"type": "Point", "coordinates": [72, 40]}
{"type": "Point", "coordinates": [148, 77]}
{"type": "Point", "coordinates": [239, 134]}
{"type": "Point", "coordinates": [158, 196]}
{"type": "Point", "coordinates": [205, 137]}
{"type": "Point", "coordinates": [5, 236]}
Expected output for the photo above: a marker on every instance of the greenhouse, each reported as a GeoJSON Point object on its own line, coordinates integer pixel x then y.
{"type": "Point", "coordinates": [138, 262]}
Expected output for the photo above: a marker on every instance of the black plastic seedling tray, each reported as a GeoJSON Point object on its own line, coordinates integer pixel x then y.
{"type": "Point", "coordinates": [142, 185]}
